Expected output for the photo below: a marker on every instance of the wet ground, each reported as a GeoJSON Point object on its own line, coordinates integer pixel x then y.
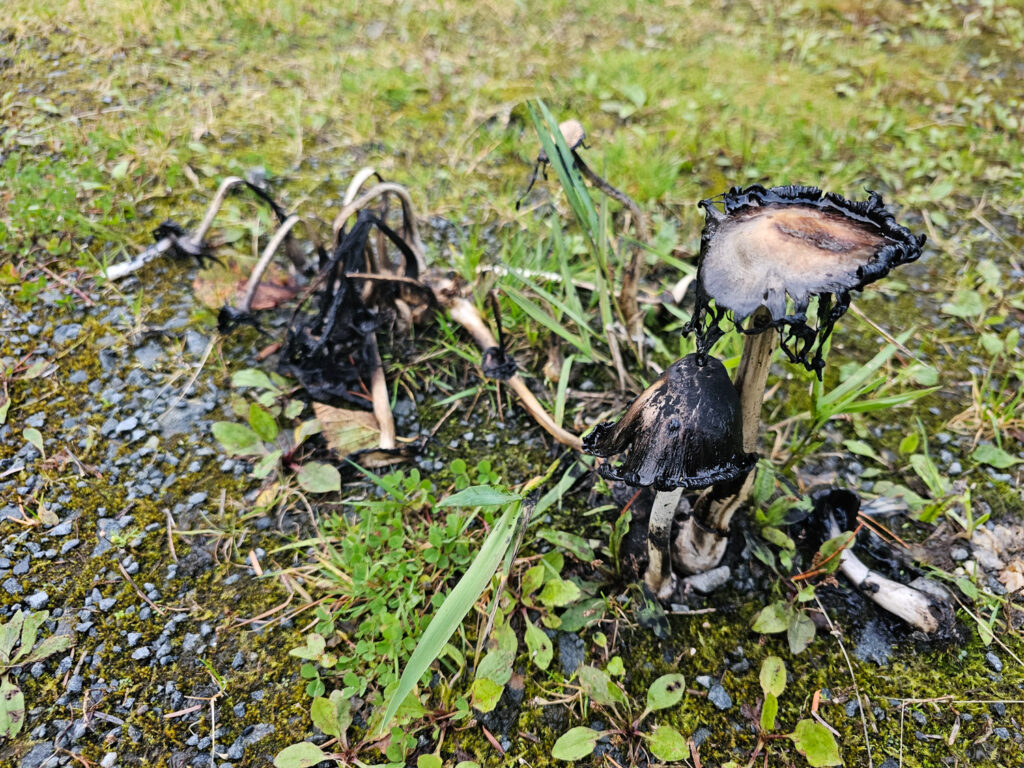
{"type": "Point", "coordinates": [145, 542]}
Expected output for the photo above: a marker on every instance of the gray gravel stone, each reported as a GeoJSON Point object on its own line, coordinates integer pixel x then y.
{"type": "Point", "coordinates": [718, 696]}
{"type": "Point", "coordinates": [37, 600]}
{"type": "Point", "coordinates": [141, 653]}
{"type": "Point", "coordinates": [127, 425]}
{"type": "Point", "coordinates": [994, 661]}
{"type": "Point", "coordinates": [68, 545]}
{"type": "Point", "coordinates": [570, 652]}
{"type": "Point", "coordinates": [65, 333]}
{"type": "Point", "coordinates": [21, 567]}
{"type": "Point", "coordinates": [63, 529]}
{"type": "Point", "coordinates": [709, 581]}
{"type": "Point", "coordinates": [35, 756]}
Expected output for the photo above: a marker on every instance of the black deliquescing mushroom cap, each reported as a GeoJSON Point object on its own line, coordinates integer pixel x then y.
{"type": "Point", "coordinates": [683, 431]}
{"type": "Point", "coordinates": [769, 244]}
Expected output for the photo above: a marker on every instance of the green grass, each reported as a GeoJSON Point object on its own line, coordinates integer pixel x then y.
{"type": "Point", "coordinates": [115, 115]}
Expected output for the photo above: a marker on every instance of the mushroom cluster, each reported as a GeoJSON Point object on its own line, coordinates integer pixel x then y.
{"type": "Point", "coordinates": [765, 254]}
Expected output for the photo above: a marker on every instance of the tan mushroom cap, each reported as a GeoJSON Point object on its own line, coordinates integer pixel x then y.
{"type": "Point", "coordinates": [572, 132]}
{"type": "Point", "coordinates": [760, 255]}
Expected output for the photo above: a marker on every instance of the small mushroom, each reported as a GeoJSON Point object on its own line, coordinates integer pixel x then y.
{"type": "Point", "coordinates": [762, 257]}
{"type": "Point", "coordinates": [574, 135]}
{"type": "Point", "coordinates": [684, 432]}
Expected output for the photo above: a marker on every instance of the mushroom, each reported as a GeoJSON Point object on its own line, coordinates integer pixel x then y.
{"type": "Point", "coordinates": [682, 433]}
{"type": "Point", "coordinates": [762, 257]}
{"type": "Point", "coordinates": [925, 608]}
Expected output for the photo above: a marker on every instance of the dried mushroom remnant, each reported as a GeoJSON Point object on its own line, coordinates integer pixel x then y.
{"type": "Point", "coordinates": [683, 433]}
{"type": "Point", "coordinates": [922, 604]}
{"type": "Point", "coordinates": [769, 245]}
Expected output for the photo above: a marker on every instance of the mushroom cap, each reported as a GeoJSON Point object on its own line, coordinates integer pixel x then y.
{"type": "Point", "coordinates": [573, 134]}
{"type": "Point", "coordinates": [767, 246]}
{"type": "Point", "coordinates": [684, 431]}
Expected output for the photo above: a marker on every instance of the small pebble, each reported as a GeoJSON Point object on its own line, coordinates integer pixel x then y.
{"type": "Point", "coordinates": [994, 661]}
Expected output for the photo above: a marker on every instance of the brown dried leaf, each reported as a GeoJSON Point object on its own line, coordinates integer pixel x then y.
{"type": "Point", "coordinates": [347, 431]}
{"type": "Point", "coordinates": [1012, 577]}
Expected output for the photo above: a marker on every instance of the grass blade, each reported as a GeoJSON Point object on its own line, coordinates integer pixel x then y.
{"type": "Point", "coordinates": [455, 607]}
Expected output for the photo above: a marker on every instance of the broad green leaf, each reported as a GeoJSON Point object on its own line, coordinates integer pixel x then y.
{"type": "Point", "coordinates": [575, 744]}
{"type": "Point", "coordinates": [769, 711]}
{"type": "Point", "coordinates": [237, 439]}
{"type": "Point", "coordinates": [266, 465]}
{"type": "Point", "coordinates": [815, 742]}
{"type": "Point", "coordinates": [496, 666]}
{"type": "Point", "coordinates": [312, 650]}
{"type": "Point", "coordinates": [579, 547]}
{"type": "Point", "coordinates": [429, 761]}
{"type": "Point", "coordinates": [35, 437]}
{"type": "Point", "coordinates": [996, 457]}
{"type": "Point", "coordinates": [827, 558]}
{"type": "Point", "coordinates": [262, 423]}
{"type": "Point", "coordinates": [583, 614]}
{"type": "Point", "coordinates": [10, 634]}
{"type": "Point", "coordinates": [861, 448]}
{"type": "Point", "coordinates": [316, 477]}
{"type": "Point", "coordinates": [772, 618]}
{"type": "Point", "coordinates": [467, 764]}
{"type": "Point", "coordinates": [966, 303]}
{"type": "Point", "coordinates": [777, 537]}
{"type": "Point", "coordinates": [599, 686]}
{"type": "Point", "coordinates": [479, 496]}
{"type": "Point", "coordinates": [665, 692]}
{"type": "Point", "coordinates": [301, 755]}
{"type": "Point", "coordinates": [533, 579]}
{"type": "Point", "coordinates": [332, 716]}
{"type": "Point", "coordinates": [12, 708]}
{"type": "Point", "coordinates": [48, 647]}
{"type": "Point", "coordinates": [538, 644]}
{"type": "Point", "coordinates": [458, 603]}
{"type": "Point", "coordinates": [486, 693]}
{"type": "Point", "coordinates": [252, 377]}
{"type": "Point", "coordinates": [667, 744]}
{"type": "Point", "coordinates": [773, 676]}
{"type": "Point", "coordinates": [558, 593]}
{"type": "Point", "coordinates": [800, 632]}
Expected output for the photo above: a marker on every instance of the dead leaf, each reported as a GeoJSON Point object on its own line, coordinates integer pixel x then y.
{"type": "Point", "coordinates": [1012, 577]}
{"type": "Point", "coordinates": [347, 431]}
{"type": "Point", "coordinates": [356, 435]}
{"type": "Point", "coordinates": [225, 284]}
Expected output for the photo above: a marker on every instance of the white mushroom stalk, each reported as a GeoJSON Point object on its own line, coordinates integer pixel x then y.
{"type": "Point", "coordinates": [913, 606]}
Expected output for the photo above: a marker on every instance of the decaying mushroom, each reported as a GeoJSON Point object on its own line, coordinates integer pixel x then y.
{"type": "Point", "coordinates": [763, 256]}
{"type": "Point", "coordinates": [683, 433]}
{"type": "Point", "coordinates": [925, 608]}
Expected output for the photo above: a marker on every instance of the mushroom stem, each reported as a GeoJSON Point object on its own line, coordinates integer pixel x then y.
{"type": "Point", "coordinates": [264, 262]}
{"type": "Point", "coordinates": [701, 541]}
{"type": "Point", "coordinates": [659, 536]}
{"type": "Point", "coordinates": [381, 400]}
{"type": "Point", "coordinates": [912, 605]}
{"type": "Point", "coordinates": [463, 311]}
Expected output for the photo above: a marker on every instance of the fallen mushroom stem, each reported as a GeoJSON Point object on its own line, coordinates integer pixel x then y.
{"type": "Point", "coordinates": [117, 271]}
{"type": "Point", "coordinates": [264, 261]}
{"type": "Point", "coordinates": [912, 605]}
{"type": "Point", "coordinates": [701, 542]}
{"type": "Point", "coordinates": [465, 313]}
{"type": "Point", "coordinates": [379, 393]}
